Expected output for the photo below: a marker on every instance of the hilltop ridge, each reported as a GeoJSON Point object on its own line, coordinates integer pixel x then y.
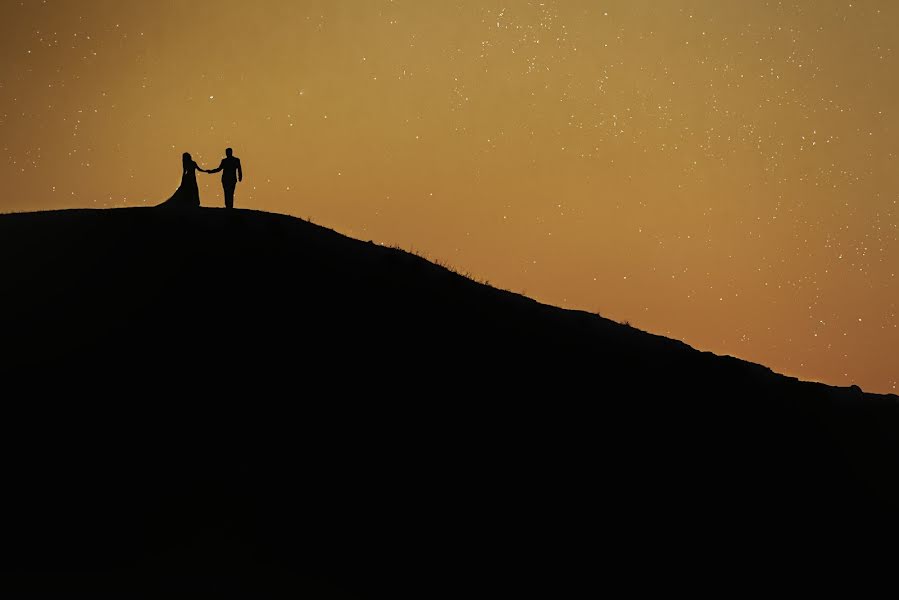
{"type": "Point", "coordinates": [236, 264]}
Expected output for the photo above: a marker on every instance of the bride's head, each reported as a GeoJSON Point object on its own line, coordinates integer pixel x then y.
{"type": "Point", "coordinates": [186, 159]}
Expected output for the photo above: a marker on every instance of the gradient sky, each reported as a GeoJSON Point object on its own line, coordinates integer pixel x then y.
{"type": "Point", "coordinates": [718, 171]}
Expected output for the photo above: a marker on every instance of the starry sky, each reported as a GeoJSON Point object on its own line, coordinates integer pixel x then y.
{"type": "Point", "coordinates": [722, 172]}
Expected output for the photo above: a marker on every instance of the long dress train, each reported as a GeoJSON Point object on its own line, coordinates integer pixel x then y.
{"type": "Point", "coordinates": [188, 194]}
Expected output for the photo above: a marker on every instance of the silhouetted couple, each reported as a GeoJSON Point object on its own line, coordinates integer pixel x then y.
{"type": "Point", "coordinates": [188, 194]}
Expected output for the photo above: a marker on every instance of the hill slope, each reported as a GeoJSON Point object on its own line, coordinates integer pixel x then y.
{"type": "Point", "coordinates": [276, 406]}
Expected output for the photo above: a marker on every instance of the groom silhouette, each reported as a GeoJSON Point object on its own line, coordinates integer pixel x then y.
{"type": "Point", "coordinates": [231, 174]}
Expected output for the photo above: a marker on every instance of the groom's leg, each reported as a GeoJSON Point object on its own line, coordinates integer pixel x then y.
{"type": "Point", "coordinates": [229, 195]}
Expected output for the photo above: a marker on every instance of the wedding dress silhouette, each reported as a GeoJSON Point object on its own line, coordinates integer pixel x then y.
{"type": "Point", "coordinates": [188, 194]}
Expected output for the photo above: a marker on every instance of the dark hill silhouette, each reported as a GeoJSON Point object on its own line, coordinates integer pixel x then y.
{"type": "Point", "coordinates": [276, 409]}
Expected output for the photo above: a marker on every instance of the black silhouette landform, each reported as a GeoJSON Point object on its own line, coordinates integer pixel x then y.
{"type": "Point", "coordinates": [246, 404]}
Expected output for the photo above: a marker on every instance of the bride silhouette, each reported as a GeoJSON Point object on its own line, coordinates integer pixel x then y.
{"type": "Point", "coordinates": [188, 194]}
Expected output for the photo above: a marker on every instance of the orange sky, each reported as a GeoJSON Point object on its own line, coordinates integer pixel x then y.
{"type": "Point", "coordinates": [718, 171]}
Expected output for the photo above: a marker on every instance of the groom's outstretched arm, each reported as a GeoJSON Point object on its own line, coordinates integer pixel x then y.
{"type": "Point", "coordinates": [219, 168]}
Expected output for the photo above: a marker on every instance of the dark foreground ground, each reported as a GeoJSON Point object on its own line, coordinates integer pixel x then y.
{"type": "Point", "coordinates": [247, 405]}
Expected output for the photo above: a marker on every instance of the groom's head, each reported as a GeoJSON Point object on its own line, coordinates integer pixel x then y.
{"type": "Point", "coordinates": [228, 152]}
